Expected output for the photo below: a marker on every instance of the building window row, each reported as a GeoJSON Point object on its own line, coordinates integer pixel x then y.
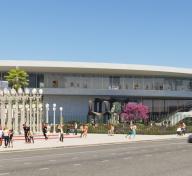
{"type": "Point", "coordinates": [56, 80]}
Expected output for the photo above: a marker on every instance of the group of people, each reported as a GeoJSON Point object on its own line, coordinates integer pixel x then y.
{"type": "Point", "coordinates": [6, 135]}
{"type": "Point", "coordinates": [181, 129]}
{"type": "Point", "coordinates": [74, 129]}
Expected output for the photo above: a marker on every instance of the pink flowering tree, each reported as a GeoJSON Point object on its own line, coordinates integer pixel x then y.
{"type": "Point", "coordinates": [134, 111]}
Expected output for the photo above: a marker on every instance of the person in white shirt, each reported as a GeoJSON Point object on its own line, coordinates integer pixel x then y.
{"type": "Point", "coordinates": [179, 131]}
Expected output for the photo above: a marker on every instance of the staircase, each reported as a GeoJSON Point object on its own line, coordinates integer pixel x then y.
{"type": "Point", "coordinates": [178, 116]}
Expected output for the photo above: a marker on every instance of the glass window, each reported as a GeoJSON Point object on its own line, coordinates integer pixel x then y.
{"type": "Point", "coordinates": [148, 103]}
{"type": "Point", "coordinates": [128, 82]}
{"type": "Point", "coordinates": [148, 83]}
{"type": "Point", "coordinates": [168, 84]}
{"type": "Point", "coordinates": [106, 83]}
{"type": "Point", "coordinates": [138, 83]}
{"type": "Point", "coordinates": [55, 84]}
{"type": "Point", "coordinates": [158, 83]}
{"type": "Point", "coordinates": [32, 80]}
{"type": "Point", "coordinates": [40, 81]}
{"type": "Point", "coordinates": [114, 82]}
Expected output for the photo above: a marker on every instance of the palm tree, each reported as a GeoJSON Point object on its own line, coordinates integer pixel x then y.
{"type": "Point", "coordinates": [17, 78]}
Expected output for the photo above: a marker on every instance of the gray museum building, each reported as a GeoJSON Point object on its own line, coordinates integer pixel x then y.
{"type": "Point", "coordinates": [72, 85]}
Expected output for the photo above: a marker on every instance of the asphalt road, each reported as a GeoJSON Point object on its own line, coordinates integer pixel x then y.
{"type": "Point", "coordinates": [160, 158]}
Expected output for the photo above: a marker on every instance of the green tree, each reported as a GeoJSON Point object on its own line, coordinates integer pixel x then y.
{"type": "Point", "coordinates": [17, 78]}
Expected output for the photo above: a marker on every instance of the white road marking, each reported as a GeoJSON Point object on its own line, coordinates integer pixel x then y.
{"type": "Point", "coordinates": [143, 150]}
{"type": "Point", "coordinates": [168, 152]}
{"type": "Point", "coordinates": [76, 164]}
{"type": "Point", "coordinates": [126, 158]}
{"type": "Point", "coordinates": [4, 173]}
{"type": "Point", "coordinates": [52, 160]}
{"type": "Point", "coordinates": [113, 153]}
{"type": "Point", "coordinates": [27, 163]}
{"type": "Point", "coordinates": [74, 158]}
{"type": "Point", "coordinates": [104, 161]}
{"type": "Point", "coordinates": [45, 168]}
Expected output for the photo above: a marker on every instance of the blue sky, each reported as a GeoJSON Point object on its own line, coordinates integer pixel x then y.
{"type": "Point", "coordinates": [152, 32]}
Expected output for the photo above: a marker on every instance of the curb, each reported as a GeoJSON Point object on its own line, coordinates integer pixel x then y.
{"type": "Point", "coordinates": [90, 145]}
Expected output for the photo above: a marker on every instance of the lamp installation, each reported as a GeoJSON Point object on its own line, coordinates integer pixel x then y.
{"type": "Point", "coordinates": [19, 107]}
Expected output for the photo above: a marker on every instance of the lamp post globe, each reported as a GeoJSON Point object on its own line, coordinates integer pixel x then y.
{"type": "Point", "coordinates": [34, 91]}
{"type": "Point", "coordinates": [20, 91]}
{"type": "Point", "coordinates": [27, 91]}
{"type": "Point", "coordinates": [40, 91]}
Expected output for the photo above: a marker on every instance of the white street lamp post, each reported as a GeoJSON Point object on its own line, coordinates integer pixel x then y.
{"type": "Point", "coordinates": [54, 109]}
{"type": "Point", "coordinates": [61, 115]}
{"type": "Point", "coordinates": [34, 117]}
{"type": "Point", "coordinates": [47, 113]}
{"type": "Point", "coordinates": [27, 109]}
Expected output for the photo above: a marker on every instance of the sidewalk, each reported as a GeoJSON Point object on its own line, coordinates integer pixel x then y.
{"type": "Point", "coordinates": [92, 139]}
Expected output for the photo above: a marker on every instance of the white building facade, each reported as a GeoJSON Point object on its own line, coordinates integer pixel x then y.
{"type": "Point", "coordinates": [72, 84]}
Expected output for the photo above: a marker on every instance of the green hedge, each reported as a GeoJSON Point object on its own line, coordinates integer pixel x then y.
{"type": "Point", "coordinates": [141, 129]}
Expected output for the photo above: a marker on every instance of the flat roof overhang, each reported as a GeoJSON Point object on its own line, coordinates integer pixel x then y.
{"type": "Point", "coordinates": [94, 68]}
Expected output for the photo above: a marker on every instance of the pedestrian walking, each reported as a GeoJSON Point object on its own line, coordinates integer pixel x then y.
{"type": "Point", "coordinates": [130, 131]}
{"type": "Point", "coordinates": [6, 136]}
{"type": "Point", "coordinates": [179, 130]}
{"type": "Point", "coordinates": [183, 128]}
{"type": "Point", "coordinates": [1, 136]}
{"type": "Point", "coordinates": [85, 131]}
{"type": "Point", "coordinates": [75, 128]}
{"type": "Point", "coordinates": [26, 130]}
{"type": "Point", "coordinates": [81, 130]}
{"type": "Point", "coordinates": [45, 131]}
{"type": "Point", "coordinates": [11, 138]}
{"type": "Point", "coordinates": [30, 136]}
{"type": "Point", "coordinates": [134, 127]}
{"type": "Point", "coordinates": [111, 129]}
{"type": "Point", "coordinates": [61, 135]}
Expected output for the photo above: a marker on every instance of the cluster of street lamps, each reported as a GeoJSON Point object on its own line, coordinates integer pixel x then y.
{"type": "Point", "coordinates": [21, 106]}
{"type": "Point", "coordinates": [54, 112]}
